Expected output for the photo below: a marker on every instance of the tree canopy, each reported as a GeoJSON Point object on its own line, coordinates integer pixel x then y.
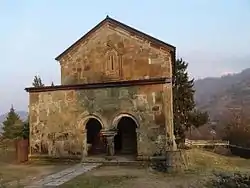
{"type": "Point", "coordinates": [185, 113]}
{"type": "Point", "coordinates": [26, 129]}
{"type": "Point", "coordinates": [236, 123]}
{"type": "Point", "coordinates": [37, 82]}
{"type": "Point", "coordinates": [13, 125]}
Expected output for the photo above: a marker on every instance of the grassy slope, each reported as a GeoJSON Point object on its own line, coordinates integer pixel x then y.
{"type": "Point", "coordinates": [202, 164]}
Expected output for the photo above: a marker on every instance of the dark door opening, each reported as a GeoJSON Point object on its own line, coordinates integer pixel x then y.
{"type": "Point", "coordinates": [93, 128]}
{"type": "Point", "coordinates": [126, 138]}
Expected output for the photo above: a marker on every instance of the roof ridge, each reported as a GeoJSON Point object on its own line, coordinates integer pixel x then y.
{"type": "Point", "coordinates": [123, 26]}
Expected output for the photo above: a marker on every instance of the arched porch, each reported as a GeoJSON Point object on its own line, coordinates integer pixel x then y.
{"type": "Point", "coordinates": [93, 141]}
{"type": "Point", "coordinates": [125, 140]}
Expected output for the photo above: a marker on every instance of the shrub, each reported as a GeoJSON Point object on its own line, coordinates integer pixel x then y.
{"type": "Point", "coordinates": [222, 150]}
{"type": "Point", "coordinates": [227, 180]}
{"type": "Point", "coordinates": [157, 164]}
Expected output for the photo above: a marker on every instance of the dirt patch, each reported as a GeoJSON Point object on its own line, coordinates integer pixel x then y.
{"type": "Point", "coordinates": [12, 173]}
{"type": "Point", "coordinates": [25, 174]}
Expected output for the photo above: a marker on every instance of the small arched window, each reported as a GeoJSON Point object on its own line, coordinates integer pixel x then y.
{"type": "Point", "coordinates": [111, 61]}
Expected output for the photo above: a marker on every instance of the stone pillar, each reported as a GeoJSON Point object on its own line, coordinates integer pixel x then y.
{"type": "Point", "coordinates": [139, 142]}
{"type": "Point", "coordinates": [109, 135]}
{"type": "Point", "coordinates": [84, 145]}
{"type": "Point", "coordinates": [168, 113]}
{"type": "Point", "coordinates": [110, 145]}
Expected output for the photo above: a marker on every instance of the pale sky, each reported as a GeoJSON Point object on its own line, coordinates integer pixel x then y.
{"type": "Point", "coordinates": [213, 36]}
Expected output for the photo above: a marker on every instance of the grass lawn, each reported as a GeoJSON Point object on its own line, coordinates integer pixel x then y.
{"type": "Point", "coordinates": [96, 181]}
{"type": "Point", "coordinates": [118, 177]}
{"type": "Point", "coordinates": [202, 164]}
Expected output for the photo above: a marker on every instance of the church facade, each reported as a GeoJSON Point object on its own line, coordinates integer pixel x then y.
{"type": "Point", "coordinates": [115, 97]}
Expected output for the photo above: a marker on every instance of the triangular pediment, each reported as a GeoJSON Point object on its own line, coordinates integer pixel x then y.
{"type": "Point", "coordinates": [114, 23]}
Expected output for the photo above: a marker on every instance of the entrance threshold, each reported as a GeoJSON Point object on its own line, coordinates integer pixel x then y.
{"type": "Point", "coordinates": [109, 159]}
{"type": "Point", "coordinates": [117, 160]}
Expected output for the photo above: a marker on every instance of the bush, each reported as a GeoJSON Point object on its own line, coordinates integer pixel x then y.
{"type": "Point", "coordinates": [237, 127]}
{"type": "Point", "coordinates": [222, 150]}
{"type": "Point", "coordinates": [157, 164]}
{"type": "Point", "coordinates": [226, 180]}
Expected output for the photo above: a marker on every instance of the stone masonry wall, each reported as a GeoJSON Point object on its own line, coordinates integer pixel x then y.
{"type": "Point", "coordinates": [58, 118]}
{"type": "Point", "coordinates": [111, 54]}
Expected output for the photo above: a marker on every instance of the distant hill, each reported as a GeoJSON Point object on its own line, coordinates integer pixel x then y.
{"type": "Point", "coordinates": [217, 94]}
{"type": "Point", "coordinates": [23, 115]}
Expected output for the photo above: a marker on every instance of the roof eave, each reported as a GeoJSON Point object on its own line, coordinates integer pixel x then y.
{"type": "Point", "coordinates": [80, 39]}
{"type": "Point", "coordinates": [123, 83]}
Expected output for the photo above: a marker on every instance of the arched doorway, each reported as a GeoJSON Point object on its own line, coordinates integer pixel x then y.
{"type": "Point", "coordinates": [126, 138]}
{"type": "Point", "coordinates": [94, 140]}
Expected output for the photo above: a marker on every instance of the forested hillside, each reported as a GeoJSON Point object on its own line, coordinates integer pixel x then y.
{"type": "Point", "coordinates": [216, 95]}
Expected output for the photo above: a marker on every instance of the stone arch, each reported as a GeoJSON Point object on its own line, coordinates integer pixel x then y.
{"type": "Point", "coordinates": [125, 141]}
{"type": "Point", "coordinates": [120, 116]}
{"type": "Point", "coordinates": [83, 121]}
{"type": "Point", "coordinates": [92, 126]}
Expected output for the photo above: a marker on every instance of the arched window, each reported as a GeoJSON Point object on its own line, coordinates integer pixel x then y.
{"type": "Point", "coordinates": [112, 63]}
{"type": "Point", "coordinates": [111, 59]}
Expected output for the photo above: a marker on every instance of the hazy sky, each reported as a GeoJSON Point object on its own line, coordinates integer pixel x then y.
{"type": "Point", "coordinates": [213, 36]}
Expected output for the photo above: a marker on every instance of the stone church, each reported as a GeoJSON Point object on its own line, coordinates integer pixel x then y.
{"type": "Point", "coordinates": [115, 97]}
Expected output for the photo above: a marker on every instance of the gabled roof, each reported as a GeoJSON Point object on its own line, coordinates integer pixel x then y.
{"type": "Point", "coordinates": [122, 26]}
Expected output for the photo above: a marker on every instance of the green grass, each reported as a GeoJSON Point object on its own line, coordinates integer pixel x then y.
{"type": "Point", "coordinates": [202, 160]}
{"type": "Point", "coordinates": [96, 182]}
{"type": "Point", "coordinates": [202, 165]}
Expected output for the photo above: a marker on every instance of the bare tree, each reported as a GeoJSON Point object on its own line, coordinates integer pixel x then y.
{"type": "Point", "coordinates": [237, 127]}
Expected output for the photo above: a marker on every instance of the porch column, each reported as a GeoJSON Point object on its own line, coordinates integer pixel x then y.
{"type": "Point", "coordinates": [139, 142]}
{"type": "Point", "coordinates": [111, 145]}
{"type": "Point", "coordinates": [85, 145]}
{"type": "Point", "coordinates": [109, 135]}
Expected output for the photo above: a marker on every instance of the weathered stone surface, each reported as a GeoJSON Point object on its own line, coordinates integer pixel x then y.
{"type": "Point", "coordinates": [58, 118]}
{"type": "Point", "coordinates": [60, 126]}
{"type": "Point", "coordinates": [133, 59]}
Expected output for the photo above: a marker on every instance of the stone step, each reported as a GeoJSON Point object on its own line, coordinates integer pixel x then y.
{"type": "Point", "coordinates": [133, 163]}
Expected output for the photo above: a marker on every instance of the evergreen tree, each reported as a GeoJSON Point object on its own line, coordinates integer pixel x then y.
{"type": "Point", "coordinates": [185, 114]}
{"type": "Point", "coordinates": [13, 125]}
{"type": "Point", "coordinates": [26, 129]}
{"type": "Point", "coordinates": [37, 82]}
{"type": "Point", "coordinates": [198, 118]}
{"type": "Point", "coordinates": [52, 84]}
